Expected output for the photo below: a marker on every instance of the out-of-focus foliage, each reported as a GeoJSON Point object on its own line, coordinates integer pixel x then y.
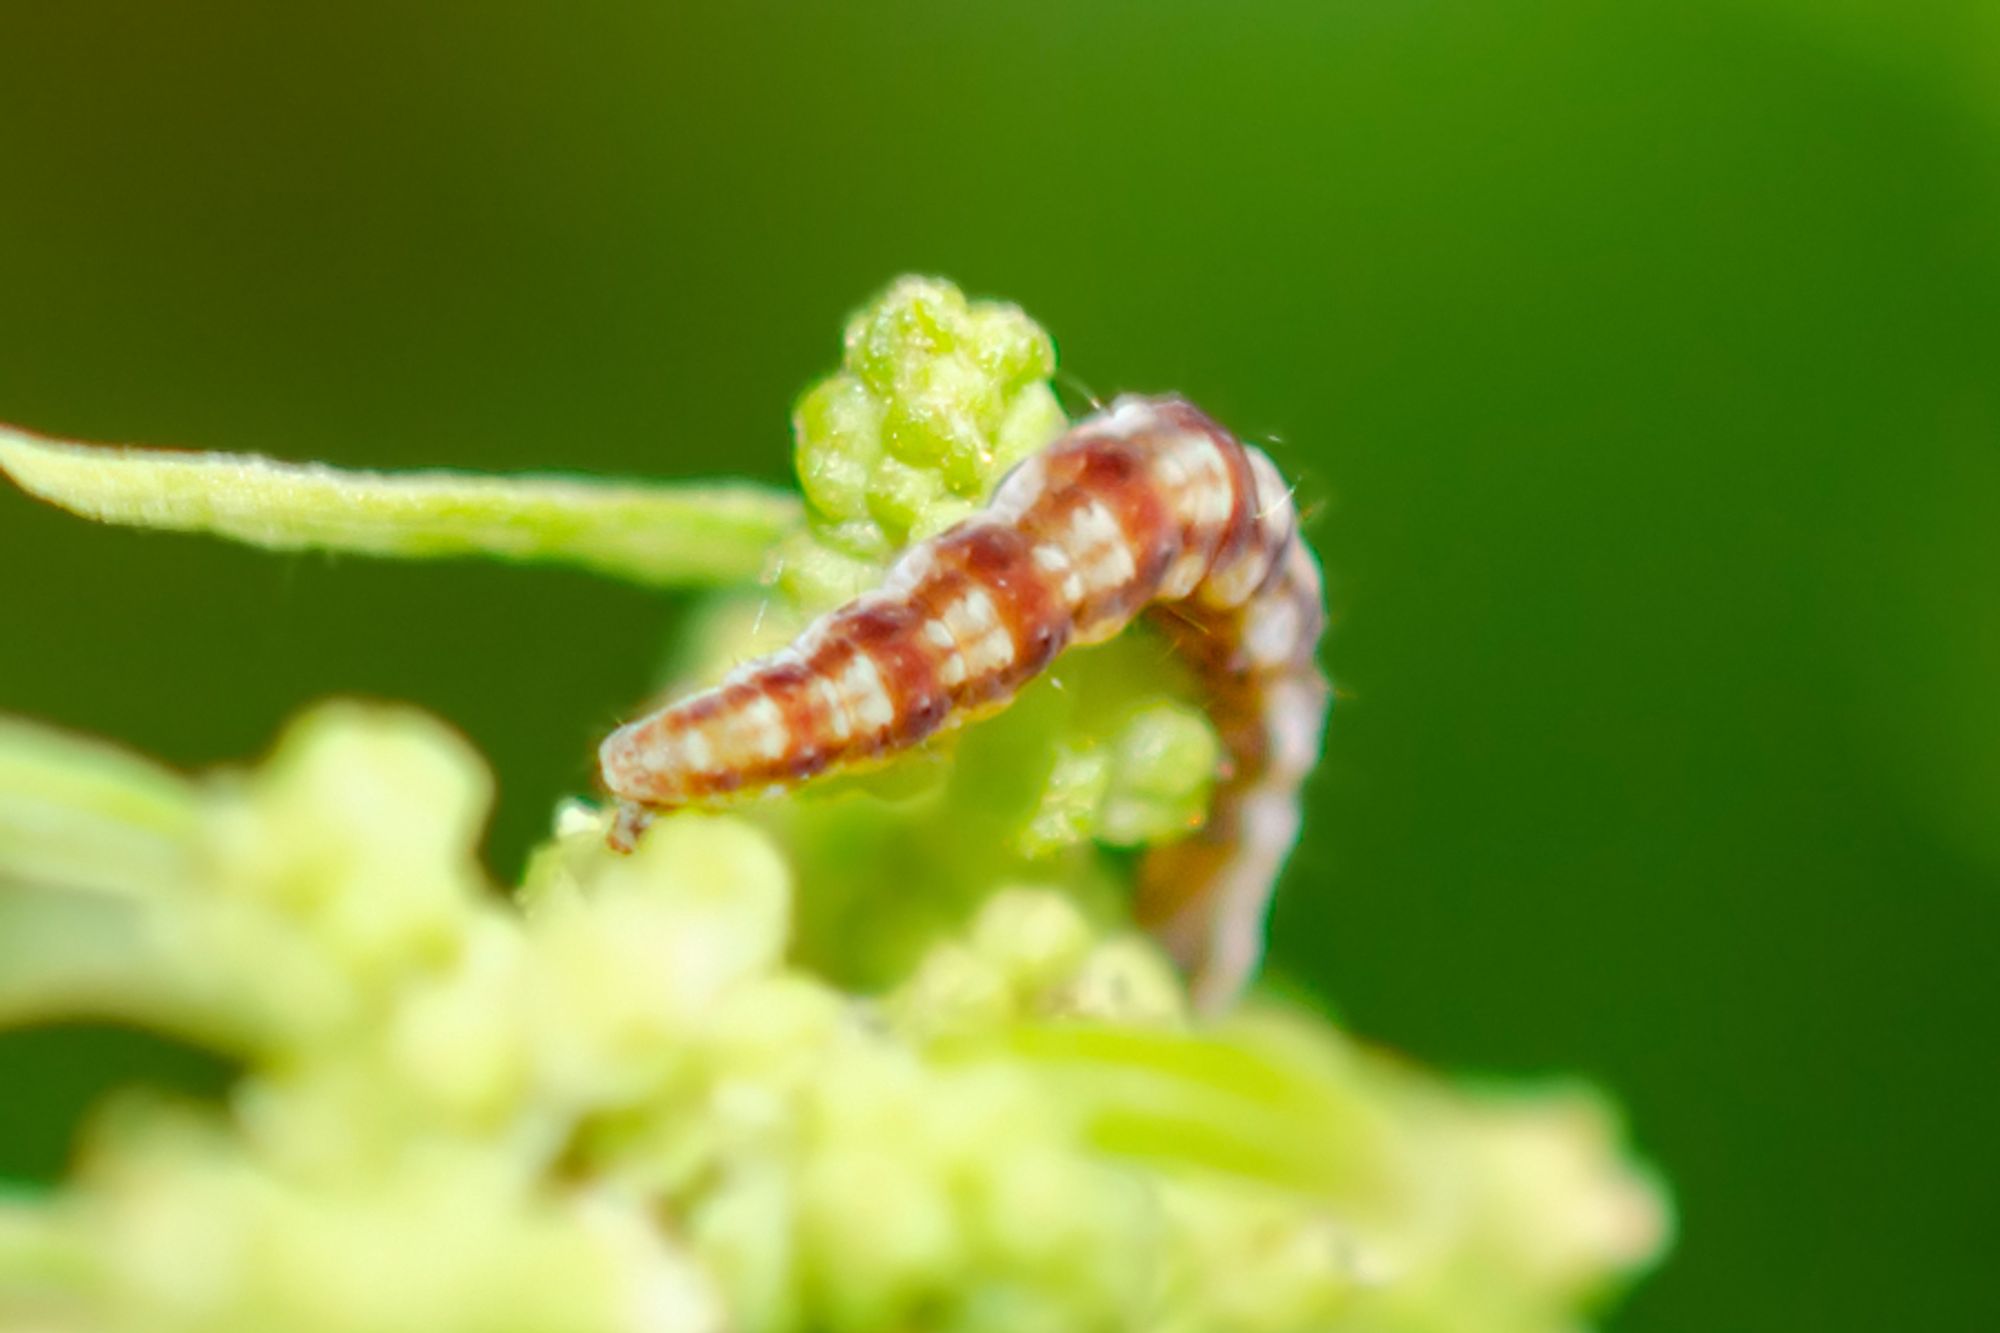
{"type": "Point", "coordinates": [617, 1105]}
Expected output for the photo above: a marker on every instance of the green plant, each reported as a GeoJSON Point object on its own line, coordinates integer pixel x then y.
{"type": "Point", "coordinates": [884, 1053]}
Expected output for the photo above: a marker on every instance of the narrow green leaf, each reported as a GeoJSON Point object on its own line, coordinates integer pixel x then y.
{"type": "Point", "coordinates": [69, 955]}
{"type": "Point", "coordinates": [80, 814]}
{"type": "Point", "coordinates": [79, 956]}
{"type": "Point", "coordinates": [664, 535]}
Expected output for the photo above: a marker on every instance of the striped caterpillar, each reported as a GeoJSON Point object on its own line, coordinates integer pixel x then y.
{"type": "Point", "coordinates": [1149, 504]}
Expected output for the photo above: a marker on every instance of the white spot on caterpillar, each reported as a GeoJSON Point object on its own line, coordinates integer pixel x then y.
{"type": "Point", "coordinates": [1098, 549]}
{"type": "Point", "coordinates": [1092, 529]}
{"type": "Point", "coordinates": [1128, 417]}
{"type": "Point", "coordinates": [1182, 575]}
{"type": "Point", "coordinates": [868, 702]}
{"type": "Point", "coordinates": [993, 653]}
{"type": "Point", "coordinates": [695, 751]}
{"type": "Point", "coordinates": [1270, 631]}
{"type": "Point", "coordinates": [970, 618]}
{"type": "Point", "coordinates": [951, 667]}
{"type": "Point", "coordinates": [1050, 558]}
{"type": "Point", "coordinates": [834, 708]}
{"type": "Point", "coordinates": [764, 734]}
{"type": "Point", "coordinates": [1112, 569]}
{"type": "Point", "coordinates": [1020, 489]}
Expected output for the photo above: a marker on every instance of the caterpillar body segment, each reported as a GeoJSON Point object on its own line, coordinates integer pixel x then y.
{"type": "Point", "coordinates": [1147, 506]}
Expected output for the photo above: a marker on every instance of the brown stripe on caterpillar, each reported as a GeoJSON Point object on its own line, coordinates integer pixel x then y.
{"type": "Point", "coordinates": [1149, 504]}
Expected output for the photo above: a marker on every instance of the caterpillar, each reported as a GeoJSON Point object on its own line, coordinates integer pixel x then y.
{"type": "Point", "coordinates": [1148, 506]}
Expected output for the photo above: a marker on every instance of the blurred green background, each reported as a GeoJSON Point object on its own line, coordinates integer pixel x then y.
{"type": "Point", "coordinates": [1642, 361]}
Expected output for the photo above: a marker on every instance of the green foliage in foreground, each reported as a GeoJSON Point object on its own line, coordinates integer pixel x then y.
{"type": "Point", "coordinates": [883, 1054]}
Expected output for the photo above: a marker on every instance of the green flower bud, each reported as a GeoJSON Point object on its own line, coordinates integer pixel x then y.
{"type": "Point", "coordinates": [879, 1235]}
{"type": "Point", "coordinates": [1127, 981]}
{"type": "Point", "coordinates": [1036, 937]}
{"type": "Point", "coordinates": [838, 428]}
{"type": "Point", "coordinates": [955, 992]}
{"type": "Point", "coordinates": [1156, 787]}
{"type": "Point", "coordinates": [938, 397]}
{"type": "Point", "coordinates": [1256, 1261]}
{"type": "Point", "coordinates": [914, 320]}
{"type": "Point", "coordinates": [902, 494]}
{"type": "Point", "coordinates": [361, 827]}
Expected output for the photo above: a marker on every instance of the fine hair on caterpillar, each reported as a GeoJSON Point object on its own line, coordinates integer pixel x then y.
{"type": "Point", "coordinates": [1146, 507]}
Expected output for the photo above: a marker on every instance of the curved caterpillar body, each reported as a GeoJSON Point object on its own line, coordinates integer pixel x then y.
{"type": "Point", "coordinates": [1149, 504]}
